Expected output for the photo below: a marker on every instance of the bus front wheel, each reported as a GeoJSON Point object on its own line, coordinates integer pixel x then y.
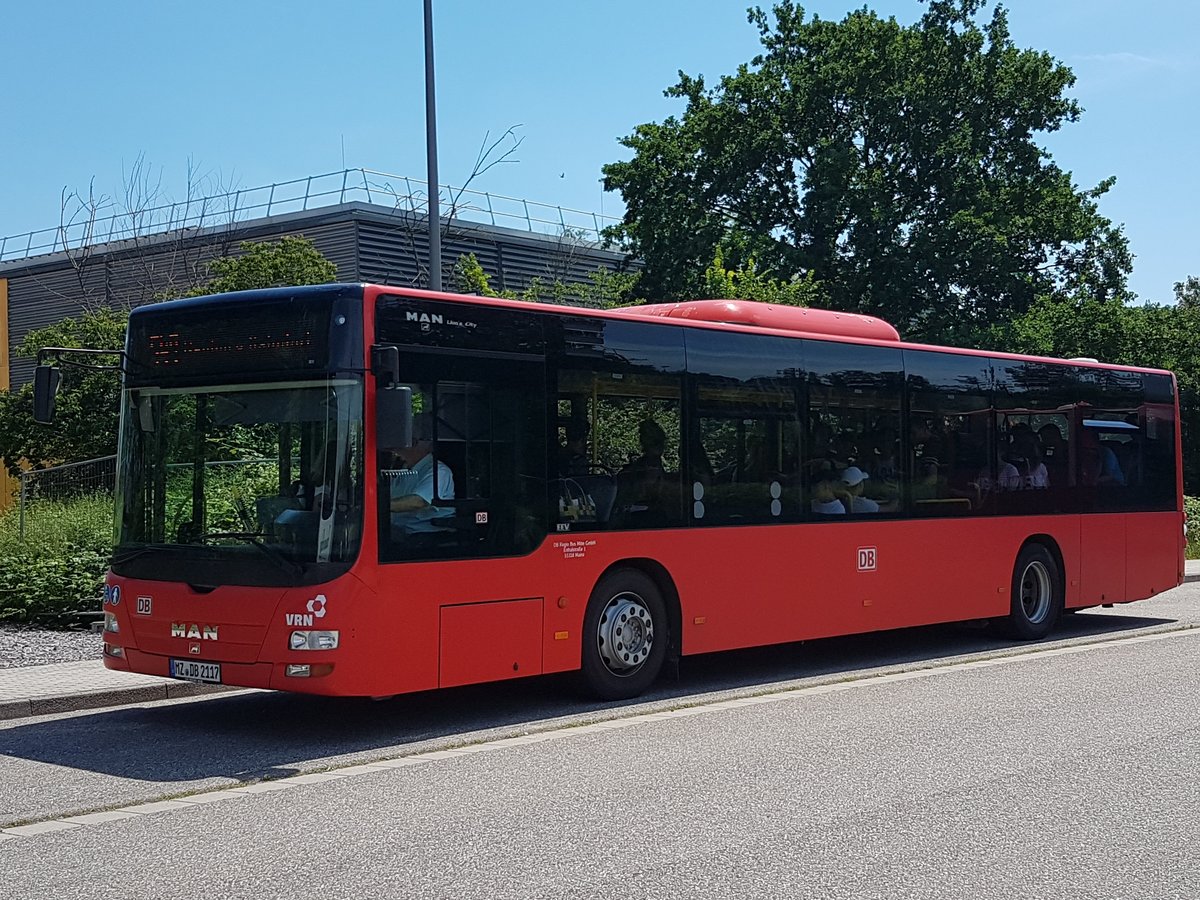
{"type": "Point", "coordinates": [624, 635]}
{"type": "Point", "coordinates": [1037, 594]}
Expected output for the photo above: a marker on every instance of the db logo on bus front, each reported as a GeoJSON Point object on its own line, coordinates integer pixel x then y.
{"type": "Point", "coordinates": [866, 559]}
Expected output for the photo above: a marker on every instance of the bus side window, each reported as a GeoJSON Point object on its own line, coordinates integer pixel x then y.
{"type": "Point", "coordinates": [473, 482]}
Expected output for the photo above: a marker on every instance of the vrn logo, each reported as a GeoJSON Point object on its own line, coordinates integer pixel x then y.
{"type": "Point", "coordinates": [298, 618]}
{"type": "Point", "coordinates": [423, 318]}
{"type": "Point", "coordinates": [194, 632]}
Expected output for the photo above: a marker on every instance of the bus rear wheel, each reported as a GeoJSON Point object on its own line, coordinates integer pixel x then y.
{"type": "Point", "coordinates": [624, 635]}
{"type": "Point", "coordinates": [1037, 594]}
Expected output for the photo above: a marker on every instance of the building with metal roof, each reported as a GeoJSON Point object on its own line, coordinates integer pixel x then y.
{"type": "Point", "coordinates": [370, 224]}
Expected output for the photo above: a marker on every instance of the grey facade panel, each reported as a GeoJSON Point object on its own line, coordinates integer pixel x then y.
{"type": "Point", "coordinates": [43, 299]}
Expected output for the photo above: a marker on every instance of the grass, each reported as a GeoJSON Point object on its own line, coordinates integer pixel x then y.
{"type": "Point", "coordinates": [57, 568]}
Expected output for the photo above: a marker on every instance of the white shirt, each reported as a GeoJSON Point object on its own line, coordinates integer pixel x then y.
{"type": "Point", "coordinates": [863, 505]}
{"type": "Point", "coordinates": [419, 481]}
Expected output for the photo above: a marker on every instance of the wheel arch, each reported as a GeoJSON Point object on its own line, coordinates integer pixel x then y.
{"type": "Point", "coordinates": [662, 579]}
{"type": "Point", "coordinates": [1051, 545]}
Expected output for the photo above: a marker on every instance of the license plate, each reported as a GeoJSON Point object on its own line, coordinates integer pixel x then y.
{"type": "Point", "coordinates": [191, 670]}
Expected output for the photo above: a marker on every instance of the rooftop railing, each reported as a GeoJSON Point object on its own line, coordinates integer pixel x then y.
{"type": "Point", "coordinates": [103, 223]}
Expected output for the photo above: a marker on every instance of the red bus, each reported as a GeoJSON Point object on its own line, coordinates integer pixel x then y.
{"type": "Point", "coordinates": [366, 490]}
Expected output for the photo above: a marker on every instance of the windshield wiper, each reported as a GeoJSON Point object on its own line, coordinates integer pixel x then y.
{"type": "Point", "coordinates": [119, 559]}
{"type": "Point", "coordinates": [253, 539]}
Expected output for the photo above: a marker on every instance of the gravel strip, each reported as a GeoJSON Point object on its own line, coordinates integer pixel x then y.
{"type": "Point", "coordinates": [41, 646]}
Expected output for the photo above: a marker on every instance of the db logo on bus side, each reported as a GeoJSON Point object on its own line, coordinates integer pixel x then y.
{"type": "Point", "coordinates": [866, 559]}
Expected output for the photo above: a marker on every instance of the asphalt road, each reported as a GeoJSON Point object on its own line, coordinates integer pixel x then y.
{"type": "Point", "coordinates": [987, 770]}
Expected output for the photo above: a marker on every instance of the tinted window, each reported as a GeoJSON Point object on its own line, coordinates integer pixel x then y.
{"type": "Point", "coordinates": [1154, 473]}
{"type": "Point", "coordinates": [743, 454]}
{"type": "Point", "coordinates": [618, 424]}
{"type": "Point", "coordinates": [1036, 439]}
{"type": "Point", "coordinates": [950, 432]}
{"type": "Point", "coordinates": [471, 482]}
{"type": "Point", "coordinates": [1082, 439]}
{"type": "Point", "coordinates": [851, 464]}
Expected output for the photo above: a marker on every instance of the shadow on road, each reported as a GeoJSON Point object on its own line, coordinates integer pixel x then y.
{"type": "Point", "coordinates": [274, 734]}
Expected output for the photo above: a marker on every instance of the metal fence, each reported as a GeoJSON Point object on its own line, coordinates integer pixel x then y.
{"type": "Point", "coordinates": [89, 478]}
{"type": "Point", "coordinates": [88, 226]}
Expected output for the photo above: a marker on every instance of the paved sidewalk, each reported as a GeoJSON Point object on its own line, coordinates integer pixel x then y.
{"type": "Point", "coordinates": [62, 687]}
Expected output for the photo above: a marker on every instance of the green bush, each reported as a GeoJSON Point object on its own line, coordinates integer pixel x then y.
{"type": "Point", "coordinates": [1191, 512]}
{"type": "Point", "coordinates": [57, 569]}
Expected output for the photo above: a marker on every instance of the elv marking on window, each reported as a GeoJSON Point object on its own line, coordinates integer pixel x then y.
{"type": "Point", "coordinates": [867, 559]}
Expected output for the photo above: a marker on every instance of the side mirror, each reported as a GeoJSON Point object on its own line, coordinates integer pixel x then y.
{"type": "Point", "coordinates": [46, 380]}
{"type": "Point", "coordinates": [394, 417]}
{"type": "Point", "coordinates": [385, 364]}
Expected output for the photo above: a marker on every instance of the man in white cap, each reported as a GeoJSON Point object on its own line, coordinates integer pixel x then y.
{"type": "Point", "coordinates": [852, 479]}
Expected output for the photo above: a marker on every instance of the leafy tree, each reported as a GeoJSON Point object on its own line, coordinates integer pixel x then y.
{"type": "Point", "coordinates": [749, 284]}
{"type": "Point", "coordinates": [894, 165]}
{"type": "Point", "coordinates": [291, 260]}
{"type": "Point", "coordinates": [603, 289]}
{"type": "Point", "coordinates": [86, 415]}
{"type": "Point", "coordinates": [606, 288]}
{"type": "Point", "coordinates": [1187, 293]}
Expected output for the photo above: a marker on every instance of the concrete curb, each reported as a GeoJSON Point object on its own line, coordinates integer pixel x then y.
{"type": "Point", "coordinates": [43, 706]}
{"type": "Point", "coordinates": [168, 690]}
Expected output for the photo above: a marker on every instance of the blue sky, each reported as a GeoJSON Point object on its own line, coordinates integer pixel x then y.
{"type": "Point", "coordinates": [259, 92]}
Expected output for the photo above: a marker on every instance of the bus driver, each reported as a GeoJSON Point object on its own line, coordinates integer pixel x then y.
{"type": "Point", "coordinates": [412, 488]}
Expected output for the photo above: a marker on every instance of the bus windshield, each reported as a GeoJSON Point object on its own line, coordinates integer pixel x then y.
{"type": "Point", "coordinates": [255, 484]}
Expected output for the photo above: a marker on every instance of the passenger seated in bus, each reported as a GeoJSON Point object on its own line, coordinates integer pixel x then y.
{"type": "Point", "coordinates": [641, 482]}
{"type": "Point", "coordinates": [825, 500]}
{"type": "Point", "coordinates": [883, 464]}
{"type": "Point", "coordinates": [1008, 478]}
{"type": "Point", "coordinates": [649, 466]}
{"type": "Point", "coordinates": [1054, 454]}
{"type": "Point", "coordinates": [1125, 454]}
{"type": "Point", "coordinates": [926, 439]}
{"type": "Point", "coordinates": [928, 483]}
{"type": "Point", "coordinates": [412, 488]}
{"type": "Point", "coordinates": [852, 481]}
{"type": "Point", "coordinates": [1025, 454]}
{"type": "Point", "coordinates": [758, 467]}
{"type": "Point", "coordinates": [572, 455]}
{"type": "Point", "coordinates": [845, 450]}
{"type": "Point", "coordinates": [1097, 463]}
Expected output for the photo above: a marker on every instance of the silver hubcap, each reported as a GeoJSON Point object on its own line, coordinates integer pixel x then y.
{"type": "Point", "coordinates": [1036, 592]}
{"type": "Point", "coordinates": [626, 634]}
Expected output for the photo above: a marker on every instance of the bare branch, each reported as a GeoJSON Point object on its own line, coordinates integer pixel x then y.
{"type": "Point", "coordinates": [485, 160]}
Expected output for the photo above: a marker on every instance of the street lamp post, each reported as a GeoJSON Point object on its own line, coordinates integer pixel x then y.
{"type": "Point", "coordinates": [435, 220]}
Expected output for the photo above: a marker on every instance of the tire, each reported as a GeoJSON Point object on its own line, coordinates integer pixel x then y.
{"type": "Point", "coordinates": [1037, 594]}
{"type": "Point", "coordinates": [625, 635]}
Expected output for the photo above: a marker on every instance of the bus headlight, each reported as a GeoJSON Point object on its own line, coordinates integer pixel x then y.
{"type": "Point", "coordinates": [111, 625]}
{"type": "Point", "coordinates": [313, 640]}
